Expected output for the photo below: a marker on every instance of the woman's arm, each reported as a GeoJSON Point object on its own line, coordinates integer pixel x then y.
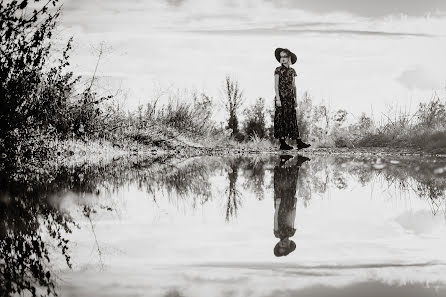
{"type": "Point", "coordinates": [276, 88]}
{"type": "Point", "coordinates": [295, 93]}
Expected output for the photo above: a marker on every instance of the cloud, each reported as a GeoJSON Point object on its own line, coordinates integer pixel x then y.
{"type": "Point", "coordinates": [421, 78]}
{"type": "Point", "coordinates": [254, 31]}
{"type": "Point", "coordinates": [366, 289]}
{"type": "Point", "coordinates": [244, 17]}
{"type": "Point", "coordinates": [377, 8]}
{"type": "Point", "coordinates": [175, 3]}
{"type": "Point", "coordinates": [213, 16]}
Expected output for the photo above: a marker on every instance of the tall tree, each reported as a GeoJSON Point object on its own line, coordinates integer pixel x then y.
{"type": "Point", "coordinates": [233, 100]}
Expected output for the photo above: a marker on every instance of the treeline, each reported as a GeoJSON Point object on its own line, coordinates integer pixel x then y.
{"type": "Point", "coordinates": [424, 128]}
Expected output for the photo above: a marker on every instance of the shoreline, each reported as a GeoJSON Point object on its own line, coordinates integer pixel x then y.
{"type": "Point", "coordinates": [94, 152]}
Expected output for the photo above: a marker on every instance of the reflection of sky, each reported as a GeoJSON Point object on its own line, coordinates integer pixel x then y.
{"type": "Point", "coordinates": [361, 234]}
{"type": "Point", "coordinates": [350, 55]}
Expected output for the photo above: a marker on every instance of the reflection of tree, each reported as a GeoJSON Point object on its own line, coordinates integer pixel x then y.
{"type": "Point", "coordinates": [88, 213]}
{"type": "Point", "coordinates": [313, 179]}
{"type": "Point", "coordinates": [434, 192]}
{"type": "Point", "coordinates": [406, 174]}
{"type": "Point", "coordinates": [254, 175]}
{"type": "Point", "coordinates": [31, 221]}
{"type": "Point", "coordinates": [234, 197]}
{"type": "Point", "coordinates": [181, 181]}
{"type": "Point", "coordinates": [419, 175]}
{"type": "Point", "coordinates": [24, 213]}
{"type": "Point", "coordinates": [27, 209]}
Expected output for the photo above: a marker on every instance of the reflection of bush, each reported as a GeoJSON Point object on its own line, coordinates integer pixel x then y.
{"type": "Point", "coordinates": [406, 174]}
{"type": "Point", "coordinates": [190, 180]}
{"type": "Point", "coordinates": [254, 175]}
{"type": "Point", "coordinates": [24, 212]}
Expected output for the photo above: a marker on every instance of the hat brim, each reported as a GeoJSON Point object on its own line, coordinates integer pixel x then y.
{"type": "Point", "coordinates": [290, 53]}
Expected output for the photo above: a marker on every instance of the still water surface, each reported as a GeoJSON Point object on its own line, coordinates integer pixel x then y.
{"type": "Point", "coordinates": [211, 226]}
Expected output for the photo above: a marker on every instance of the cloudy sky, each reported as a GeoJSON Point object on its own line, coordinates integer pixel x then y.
{"type": "Point", "coordinates": [353, 54]}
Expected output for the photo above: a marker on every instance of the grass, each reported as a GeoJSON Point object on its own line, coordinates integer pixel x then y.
{"type": "Point", "coordinates": [431, 141]}
{"type": "Point", "coordinates": [254, 143]}
{"type": "Point", "coordinates": [168, 131]}
{"type": "Point", "coordinates": [428, 140]}
{"type": "Point", "coordinates": [76, 151]}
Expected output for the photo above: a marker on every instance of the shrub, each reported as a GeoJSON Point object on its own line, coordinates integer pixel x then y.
{"type": "Point", "coordinates": [27, 105]}
{"type": "Point", "coordinates": [255, 119]}
{"type": "Point", "coordinates": [192, 117]}
{"type": "Point", "coordinates": [304, 115]}
{"type": "Point", "coordinates": [38, 96]}
{"type": "Point", "coordinates": [432, 114]}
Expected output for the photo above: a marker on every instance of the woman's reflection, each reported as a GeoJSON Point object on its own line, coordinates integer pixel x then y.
{"type": "Point", "coordinates": [286, 173]}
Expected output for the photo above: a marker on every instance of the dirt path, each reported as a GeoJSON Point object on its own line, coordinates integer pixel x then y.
{"type": "Point", "coordinates": [104, 156]}
{"type": "Point", "coordinates": [378, 151]}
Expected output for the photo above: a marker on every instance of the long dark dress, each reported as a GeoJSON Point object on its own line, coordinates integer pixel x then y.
{"type": "Point", "coordinates": [285, 119]}
{"type": "Point", "coordinates": [285, 182]}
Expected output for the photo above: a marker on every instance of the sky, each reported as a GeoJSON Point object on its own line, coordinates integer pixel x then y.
{"type": "Point", "coordinates": [363, 56]}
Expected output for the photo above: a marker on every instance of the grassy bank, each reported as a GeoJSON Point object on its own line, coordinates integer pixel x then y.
{"type": "Point", "coordinates": [423, 129]}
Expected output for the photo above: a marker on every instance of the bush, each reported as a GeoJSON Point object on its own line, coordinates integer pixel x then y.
{"type": "Point", "coordinates": [304, 116]}
{"type": "Point", "coordinates": [432, 114]}
{"type": "Point", "coordinates": [192, 117]}
{"type": "Point", "coordinates": [38, 101]}
{"type": "Point", "coordinates": [27, 104]}
{"type": "Point", "coordinates": [254, 124]}
{"type": "Point", "coordinates": [190, 114]}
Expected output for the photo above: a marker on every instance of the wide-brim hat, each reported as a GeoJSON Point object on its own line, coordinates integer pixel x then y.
{"type": "Point", "coordinates": [290, 53]}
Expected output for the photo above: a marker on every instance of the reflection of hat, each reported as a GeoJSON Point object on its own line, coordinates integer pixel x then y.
{"type": "Point", "coordinates": [278, 250]}
{"type": "Point", "coordinates": [290, 53]}
{"type": "Point", "coordinates": [301, 160]}
{"type": "Point", "coordinates": [284, 159]}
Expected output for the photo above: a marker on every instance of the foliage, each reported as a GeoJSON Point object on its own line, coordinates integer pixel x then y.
{"type": "Point", "coordinates": [303, 114]}
{"type": "Point", "coordinates": [323, 127]}
{"type": "Point", "coordinates": [194, 117]}
{"type": "Point", "coordinates": [24, 47]}
{"type": "Point", "coordinates": [25, 212]}
{"type": "Point", "coordinates": [432, 114]}
{"type": "Point", "coordinates": [183, 114]}
{"type": "Point", "coordinates": [38, 96]}
{"type": "Point", "coordinates": [255, 119]}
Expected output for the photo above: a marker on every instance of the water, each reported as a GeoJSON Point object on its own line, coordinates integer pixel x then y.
{"type": "Point", "coordinates": [207, 226]}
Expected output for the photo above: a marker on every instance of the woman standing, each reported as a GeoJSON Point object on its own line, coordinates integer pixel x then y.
{"type": "Point", "coordinates": [285, 120]}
